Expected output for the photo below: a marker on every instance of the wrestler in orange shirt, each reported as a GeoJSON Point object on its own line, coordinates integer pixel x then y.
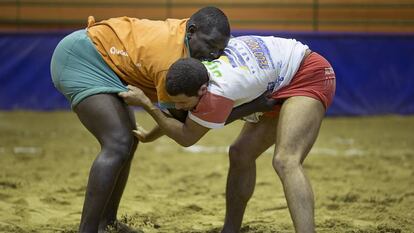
{"type": "Point", "coordinates": [91, 66]}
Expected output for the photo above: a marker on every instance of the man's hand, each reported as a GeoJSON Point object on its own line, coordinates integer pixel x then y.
{"type": "Point", "coordinates": [135, 96]}
{"type": "Point", "coordinates": [265, 102]}
{"type": "Point", "coordinates": [141, 134]}
{"type": "Point", "coordinates": [147, 136]}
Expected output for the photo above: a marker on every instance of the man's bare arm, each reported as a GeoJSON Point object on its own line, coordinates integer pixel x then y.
{"type": "Point", "coordinates": [155, 133]}
{"type": "Point", "coordinates": [262, 103]}
{"type": "Point", "coordinates": [185, 134]}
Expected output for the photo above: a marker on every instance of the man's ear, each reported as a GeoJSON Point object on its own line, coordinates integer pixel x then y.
{"type": "Point", "coordinates": [202, 90]}
{"type": "Point", "coordinates": [191, 29]}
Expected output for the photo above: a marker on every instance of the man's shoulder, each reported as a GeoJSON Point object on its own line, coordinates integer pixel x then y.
{"type": "Point", "coordinates": [212, 110]}
{"type": "Point", "coordinates": [138, 23]}
{"type": "Point", "coordinates": [168, 23]}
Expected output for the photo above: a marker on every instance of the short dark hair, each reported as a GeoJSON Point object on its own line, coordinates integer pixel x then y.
{"type": "Point", "coordinates": [186, 76]}
{"type": "Point", "coordinates": [211, 17]}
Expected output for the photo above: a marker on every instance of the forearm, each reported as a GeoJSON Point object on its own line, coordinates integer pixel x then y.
{"type": "Point", "coordinates": [155, 133]}
{"type": "Point", "coordinates": [241, 111]}
{"type": "Point", "coordinates": [262, 103]}
{"type": "Point", "coordinates": [170, 126]}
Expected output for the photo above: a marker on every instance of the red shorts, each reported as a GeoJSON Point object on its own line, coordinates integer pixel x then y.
{"type": "Point", "coordinates": [315, 78]}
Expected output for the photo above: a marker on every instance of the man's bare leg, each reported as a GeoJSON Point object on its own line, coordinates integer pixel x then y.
{"type": "Point", "coordinates": [108, 118]}
{"type": "Point", "coordinates": [109, 216]}
{"type": "Point", "coordinates": [299, 122]}
{"type": "Point", "coordinates": [253, 140]}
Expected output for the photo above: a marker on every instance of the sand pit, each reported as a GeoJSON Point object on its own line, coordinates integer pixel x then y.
{"type": "Point", "coordinates": [362, 172]}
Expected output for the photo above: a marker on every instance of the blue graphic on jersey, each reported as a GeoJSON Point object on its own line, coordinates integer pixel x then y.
{"type": "Point", "coordinates": [279, 81]}
{"type": "Point", "coordinates": [273, 85]}
{"type": "Point", "coordinates": [234, 56]}
{"type": "Point", "coordinates": [270, 86]}
{"type": "Point", "coordinates": [260, 51]}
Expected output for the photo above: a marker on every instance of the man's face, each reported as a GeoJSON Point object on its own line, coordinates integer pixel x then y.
{"type": "Point", "coordinates": [185, 102]}
{"type": "Point", "coordinates": [207, 46]}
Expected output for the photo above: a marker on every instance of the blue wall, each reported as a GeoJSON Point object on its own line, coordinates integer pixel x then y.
{"type": "Point", "coordinates": [25, 81]}
{"type": "Point", "coordinates": [375, 72]}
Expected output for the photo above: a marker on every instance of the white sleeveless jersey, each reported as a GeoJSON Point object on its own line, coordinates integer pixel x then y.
{"type": "Point", "coordinates": [250, 66]}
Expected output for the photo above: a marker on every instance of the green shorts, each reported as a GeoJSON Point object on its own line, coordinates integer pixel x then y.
{"type": "Point", "coordinates": [79, 71]}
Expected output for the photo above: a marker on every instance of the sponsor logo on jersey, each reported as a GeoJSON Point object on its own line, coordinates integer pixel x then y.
{"type": "Point", "coordinates": [259, 50]}
{"type": "Point", "coordinates": [115, 51]}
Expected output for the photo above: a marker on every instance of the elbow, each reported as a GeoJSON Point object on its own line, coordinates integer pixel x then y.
{"type": "Point", "coordinates": [187, 142]}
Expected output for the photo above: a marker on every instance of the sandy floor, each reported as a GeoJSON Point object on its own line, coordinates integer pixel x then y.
{"type": "Point", "coordinates": [362, 172]}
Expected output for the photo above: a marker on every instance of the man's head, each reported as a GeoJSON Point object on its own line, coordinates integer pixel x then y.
{"type": "Point", "coordinates": [186, 82]}
{"type": "Point", "coordinates": [207, 33]}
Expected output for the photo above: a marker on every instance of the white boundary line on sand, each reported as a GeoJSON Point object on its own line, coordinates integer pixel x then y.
{"type": "Point", "coordinates": [316, 150]}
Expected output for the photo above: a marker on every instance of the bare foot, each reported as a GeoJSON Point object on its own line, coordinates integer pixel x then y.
{"type": "Point", "coordinates": [119, 227]}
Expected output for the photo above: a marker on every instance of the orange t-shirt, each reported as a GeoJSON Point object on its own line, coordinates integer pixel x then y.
{"type": "Point", "coordinates": [140, 51]}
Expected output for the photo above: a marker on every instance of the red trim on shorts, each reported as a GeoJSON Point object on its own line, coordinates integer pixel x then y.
{"type": "Point", "coordinates": [315, 79]}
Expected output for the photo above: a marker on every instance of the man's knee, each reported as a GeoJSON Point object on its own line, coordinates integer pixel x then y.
{"type": "Point", "coordinates": [239, 158]}
{"type": "Point", "coordinates": [284, 163]}
{"type": "Point", "coordinates": [120, 147]}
